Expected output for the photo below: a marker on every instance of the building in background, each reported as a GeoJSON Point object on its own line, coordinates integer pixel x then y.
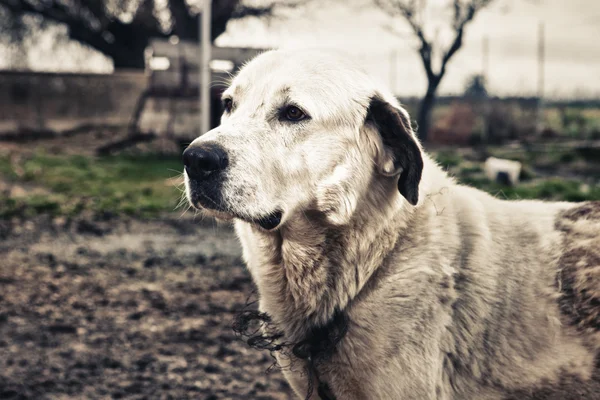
{"type": "Point", "coordinates": [170, 104]}
{"type": "Point", "coordinates": [59, 102]}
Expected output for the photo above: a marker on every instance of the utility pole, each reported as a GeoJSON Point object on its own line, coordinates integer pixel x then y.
{"type": "Point", "coordinates": [541, 60]}
{"type": "Point", "coordinates": [485, 58]}
{"type": "Point", "coordinates": [393, 71]}
{"type": "Point", "coordinates": [204, 81]}
{"type": "Point", "coordinates": [540, 89]}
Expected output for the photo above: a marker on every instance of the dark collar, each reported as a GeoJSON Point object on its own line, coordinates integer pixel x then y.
{"type": "Point", "coordinates": [318, 346]}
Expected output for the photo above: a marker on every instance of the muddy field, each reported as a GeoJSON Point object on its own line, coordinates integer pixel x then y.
{"type": "Point", "coordinates": [113, 307]}
{"type": "Point", "coordinates": [125, 309]}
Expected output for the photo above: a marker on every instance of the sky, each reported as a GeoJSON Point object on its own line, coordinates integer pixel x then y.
{"type": "Point", "coordinates": [572, 44]}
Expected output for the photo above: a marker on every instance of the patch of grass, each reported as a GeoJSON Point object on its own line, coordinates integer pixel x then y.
{"type": "Point", "coordinates": [471, 169]}
{"type": "Point", "coordinates": [527, 173]}
{"type": "Point", "coordinates": [550, 189]}
{"type": "Point", "coordinates": [448, 159]}
{"type": "Point", "coordinates": [135, 185]}
{"type": "Point", "coordinates": [140, 185]}
{"type": "Point", "coordinates": [6, 169]}
{"type": "Point", "coordinates": [28, 206]}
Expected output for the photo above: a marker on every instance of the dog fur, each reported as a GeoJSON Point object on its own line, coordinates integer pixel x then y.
{"type": "Point", "coordinates": [450, 293]}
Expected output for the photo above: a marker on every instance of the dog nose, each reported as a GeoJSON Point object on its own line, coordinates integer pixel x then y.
{"type": "Point", "coordinates": [200, 162]}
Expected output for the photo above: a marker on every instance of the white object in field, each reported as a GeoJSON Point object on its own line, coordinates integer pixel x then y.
{"type": "Point", "coordinates": [501, 170]}
{"type": "Point", "coordinates": [159, 63]}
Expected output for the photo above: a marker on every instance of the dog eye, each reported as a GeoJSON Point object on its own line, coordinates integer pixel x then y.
{"type": "Point", "coordinates": [228, 104]}
{"type": "Point", "coordinates": [293, 113]}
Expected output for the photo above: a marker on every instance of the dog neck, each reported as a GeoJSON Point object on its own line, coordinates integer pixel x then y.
{"type": "Point", "coordinates": [308, 270]}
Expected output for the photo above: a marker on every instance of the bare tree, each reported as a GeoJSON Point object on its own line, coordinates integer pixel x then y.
{"type": "Point", "coordinates": [121, 29]}
{"type": "Point", "coordinates": [463, 12]}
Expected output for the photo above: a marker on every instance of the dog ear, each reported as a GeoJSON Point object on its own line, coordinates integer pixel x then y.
{"type": "Point", "coordinates": [404, 154]}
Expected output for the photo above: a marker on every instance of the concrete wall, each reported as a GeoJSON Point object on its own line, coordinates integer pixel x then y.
{"type": "Point", "coordinates": [60, 101]}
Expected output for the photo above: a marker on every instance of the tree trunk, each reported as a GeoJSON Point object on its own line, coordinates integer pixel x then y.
{"type": "Point", "coordinates": [129, 48]}
{"type": "Point", "coordinates": [425, 108]}
{"type": "Point", "coordinates": [130, 60]}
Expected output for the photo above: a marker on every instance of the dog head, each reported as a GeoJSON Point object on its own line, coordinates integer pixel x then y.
{"type": "Point", "coordinates": [303, 131]}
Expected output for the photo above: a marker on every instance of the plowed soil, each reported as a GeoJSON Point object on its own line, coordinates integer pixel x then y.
{"type": "Point", "coordinates": [95, 309]}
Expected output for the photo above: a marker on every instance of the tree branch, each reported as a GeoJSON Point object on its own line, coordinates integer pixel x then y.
{"type": "Point", "coordinates": [408, 12]}
{"type": "Point", "coordinates": [55, 12]}
{"type": "Point", "coordinates": [96, 23]}
{"type": "Point", "coordinates": [462, 15]}
{"type": "Point", "coordinates": [234, 9]}
{"type": "Point", "coordinates": [472, 8]}
{"type": "Point", "coordinates": [184, 24]}
{"type": "Point", "coordinates": [268, 9]}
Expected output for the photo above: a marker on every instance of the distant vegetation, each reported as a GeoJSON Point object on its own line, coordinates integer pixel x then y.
{"type": "Point", "coordinates": [466, 121]}
{"type": "Point", "coordinates": [146, 185]}
{"type": "Point", "coordinates": [68, 185]}
{"type": "Point", "coordinates": [540, 177]}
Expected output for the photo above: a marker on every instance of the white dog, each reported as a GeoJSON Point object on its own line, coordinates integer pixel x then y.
{"type": "Point", "coordinates": [394, 281]}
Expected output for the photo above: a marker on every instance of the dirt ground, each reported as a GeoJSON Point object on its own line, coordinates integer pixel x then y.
{"type": "Point", "coordinates": [101, 308]}
{"type": "Point", "coordinates": [94, 309]}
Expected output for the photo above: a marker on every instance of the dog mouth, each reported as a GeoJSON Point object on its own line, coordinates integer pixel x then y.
{"type": "Point", "coordinates": [267, 222]}
{"type": "Point", "coordinates": [208, 198]}
{"type": "Point", "coordinates": [271, 221]}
